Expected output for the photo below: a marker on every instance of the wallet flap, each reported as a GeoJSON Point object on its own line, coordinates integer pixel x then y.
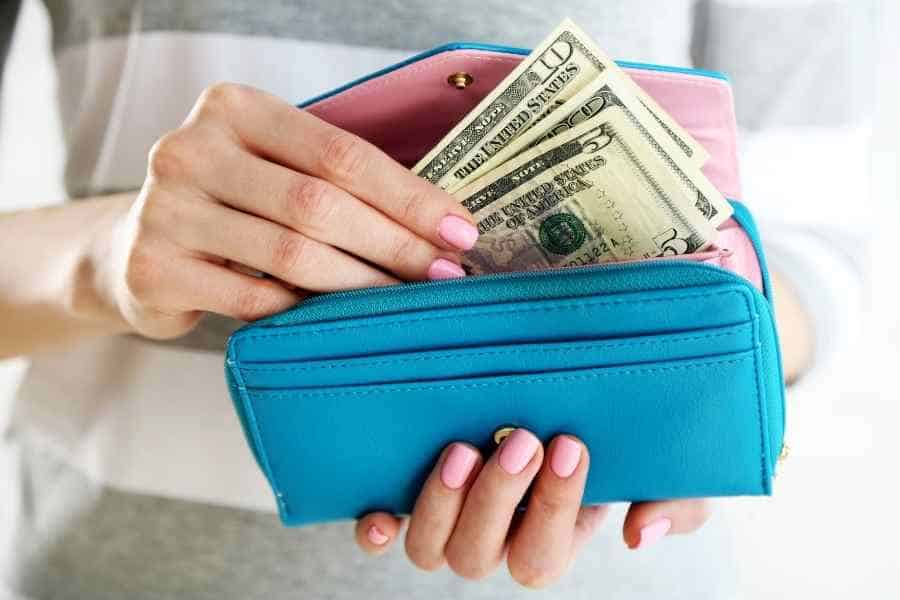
{"type": "Point", "coordinates": [406, 109]}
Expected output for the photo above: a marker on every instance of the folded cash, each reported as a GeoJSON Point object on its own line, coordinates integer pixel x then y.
{"type": "Point", "coordinates": [569, 162]}
{"type": "Point", "coordinates": [597, 193]}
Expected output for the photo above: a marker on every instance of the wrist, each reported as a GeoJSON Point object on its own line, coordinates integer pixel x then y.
{"type": "Point", "coordinates": [97, 264]}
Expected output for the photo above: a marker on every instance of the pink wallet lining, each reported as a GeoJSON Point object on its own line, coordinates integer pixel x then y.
{"type": "Point", "coordinates": [406, 111]}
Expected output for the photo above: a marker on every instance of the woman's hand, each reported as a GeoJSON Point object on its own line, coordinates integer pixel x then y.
{"type": "Point", "coordinates": [250, 180]}
{"type": "Point", "coordinates": [466, 512]}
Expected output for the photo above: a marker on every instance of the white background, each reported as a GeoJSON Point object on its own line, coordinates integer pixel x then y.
{"type": "Point", "coordinates": [833, 526]}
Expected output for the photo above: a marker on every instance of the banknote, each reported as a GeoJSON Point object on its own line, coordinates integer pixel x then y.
{"type": "Point", "coordinates": [557, 69]}
{"type": "Point", "coordinates": [591, 102]}
{"type": "Point", "coordinates": [587, 103]}
{"type": "Point", "coordinates": [695, 151]}
{"type": "Point", "coordinates": [599, 192]}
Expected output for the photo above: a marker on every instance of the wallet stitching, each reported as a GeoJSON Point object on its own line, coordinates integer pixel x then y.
{"type": "Point", "coordinates": [757, 388]}
{"type": "Point", "coordinates": [255, 425]}
{"type": "Point", "coordinates": [759, 419]}
{"type": "Point", "coordinates": [754, 319]}
{"type": "Point", "coordinates": [516, 380]}
{"type": "Point", "coordinates": [594, 303]}
{"type": "Point", "coordinates": [540, 350]}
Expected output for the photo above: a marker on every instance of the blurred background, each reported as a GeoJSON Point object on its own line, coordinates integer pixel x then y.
{"type": "Point", "coordinates": [831, 526]}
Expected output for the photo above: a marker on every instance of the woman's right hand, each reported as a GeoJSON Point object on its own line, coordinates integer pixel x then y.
{"type": "Point", "coordinates": [251, 180]}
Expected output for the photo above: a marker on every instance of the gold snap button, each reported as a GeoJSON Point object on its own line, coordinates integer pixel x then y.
{"type": "Point", "coordinates": [502, 433]}
{"type": "Point", "coordinates": [460, 80]}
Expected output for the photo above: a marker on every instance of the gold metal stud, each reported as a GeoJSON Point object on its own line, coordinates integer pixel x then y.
{"type": "Point", "coordinates": [460, 80]}
{"type": "Point", "coordinates": [502, 433]}
{"type": "Point", "coordinates": [785, 452]}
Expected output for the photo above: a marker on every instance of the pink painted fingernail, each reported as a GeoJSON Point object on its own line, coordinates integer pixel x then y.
{"type": "Point", "coordinates": [457, 466]}
{"type": "Point", "coordinates": [376, 536]}
{"type": "Point", "coordinates": [654, 532]}
{"type": "Point", "coordinates": [565, 456]}
{"type": "Point", "coordinates": [517, 450]}
{"type": "Point", "coordinates": [458, 232]}
{"type": "Point", "coordinates": [442, 268]}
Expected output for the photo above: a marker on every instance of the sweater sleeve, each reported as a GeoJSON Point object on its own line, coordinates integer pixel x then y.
{"type": "Point", "coordinates": [9, 12]}
{"type": "Point", "coordinates": [791, 62]}
{"type": "Point", "coordinates": [803, 86]}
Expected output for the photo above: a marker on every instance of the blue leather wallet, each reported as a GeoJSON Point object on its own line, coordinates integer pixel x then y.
{"type": "Point", "coordinates": [668, 369]}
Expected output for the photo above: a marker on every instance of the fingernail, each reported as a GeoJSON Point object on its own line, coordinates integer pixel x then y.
{"type": "Point", "coordinates": [376, 536]}
{"type": "Point", "coordinates": [458, 232]}
{"type": "Point", "coordinates": [565, 457]}
{"type": "Point", "coordinates": [517, 451]}
{"type": "Point", "coordinates": [457, 466]}
{"type": "Point", "coordinates": [442, 268]}
{"type": "Point", "coordinates": [654, 532]}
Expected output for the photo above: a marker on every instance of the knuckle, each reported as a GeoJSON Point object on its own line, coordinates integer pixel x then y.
{"type": "Point", "coordinates": [141, 274]}
{"type": "Point", "coordinates": [548, 505]}
{"type": "Point", "coordinates": [402, 249]}
{"type": "Point", "coordinates": [468, 565]}
{"type": "Point", "coordinates": [344, 156]}
{"type": "Point", "coordinates": [308, 201]}
{"type": "Point", "coordinates": [167, 158]}
{"type": "Point", "coordinates": [251, 302]}
{"type": "Point", "coordinates": [159, 210]}
{"type": "Point", "coordinates": [222, 97]}
{"type": "Point", "coordinates": [288, 252]}
{"type": "Point", "coordinates": [412, 204]}
{"type": "Point", "coordinates": [531, 575]}
{"type": "Point", "coordinates": [423, 558]}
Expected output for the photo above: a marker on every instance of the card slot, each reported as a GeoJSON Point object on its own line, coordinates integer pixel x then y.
{"type": "Point", "coordinates": [497, 359]}
{"type": "Point", "coordinates": [482, 316]}
{"type": "Point", "coordinates": [655, 418]}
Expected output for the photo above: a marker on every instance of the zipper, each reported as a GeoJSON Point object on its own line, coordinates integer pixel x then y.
{"type": "Point", "coordinates": [681, 261]}
{"type": "Point", "coordinates": [449, 284]}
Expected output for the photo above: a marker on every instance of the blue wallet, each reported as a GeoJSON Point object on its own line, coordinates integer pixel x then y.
{"type": "Point", "coordinates": [668, 369]}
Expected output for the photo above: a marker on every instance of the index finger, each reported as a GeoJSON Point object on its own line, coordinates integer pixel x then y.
{"type": "Point", "coordinates": [294, 138]}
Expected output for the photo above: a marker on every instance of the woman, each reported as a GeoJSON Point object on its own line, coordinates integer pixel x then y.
{"type": "Point", "coordinates": [133, 478]}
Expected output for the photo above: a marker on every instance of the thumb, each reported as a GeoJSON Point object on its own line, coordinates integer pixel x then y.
{"type": "Point", "coordinates": [647, 522]}
{"type": "Point", "coordinates": [376, 532]}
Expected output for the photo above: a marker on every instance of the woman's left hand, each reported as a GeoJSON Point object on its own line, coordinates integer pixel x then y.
{"type": "Point", "coordinates": [466, 512]}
